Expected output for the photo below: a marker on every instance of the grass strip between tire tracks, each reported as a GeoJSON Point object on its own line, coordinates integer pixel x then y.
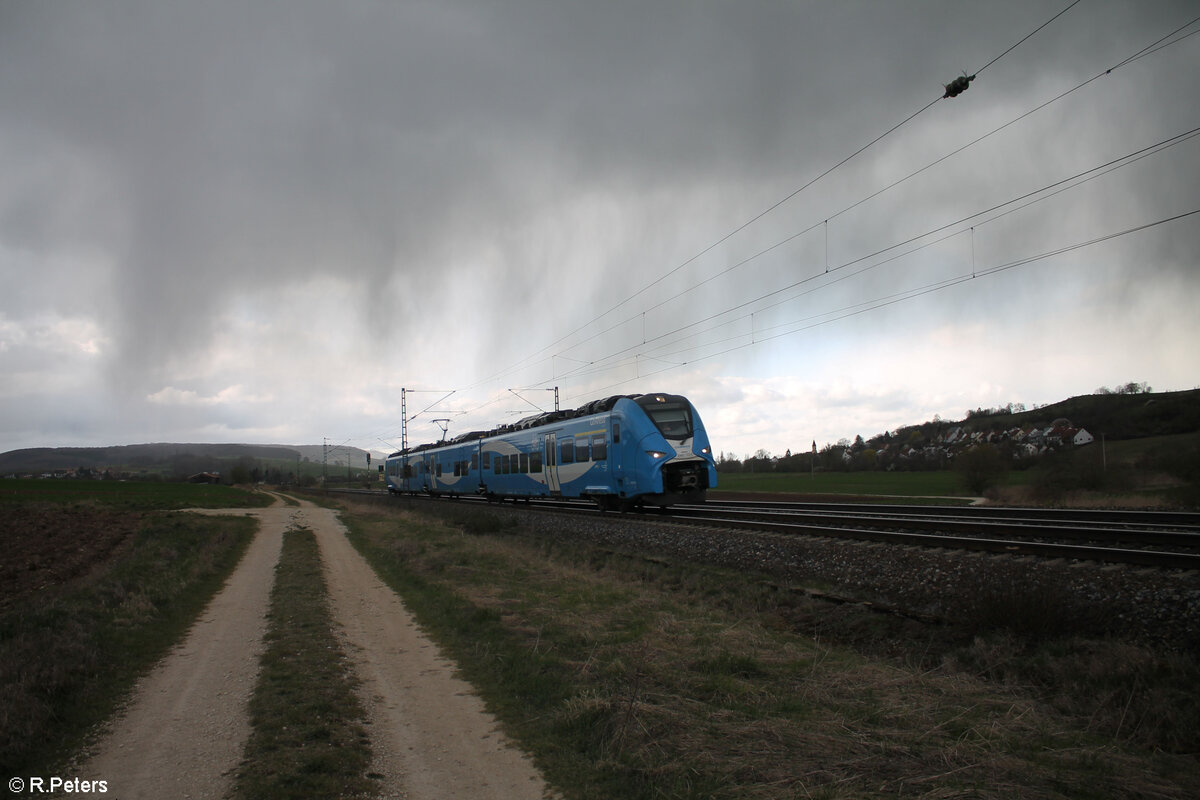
{"type": "Point", "coordinates": [307, 738]}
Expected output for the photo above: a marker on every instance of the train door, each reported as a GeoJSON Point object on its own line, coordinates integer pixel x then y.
{"type": "Point", "coordinates": [477, 468]}
{"type": "Point", "coordinates": [614, 450]}
{"type": "Point", "coordinates": [551, 463]}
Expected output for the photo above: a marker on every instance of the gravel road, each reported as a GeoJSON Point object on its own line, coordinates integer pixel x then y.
{"type": "Point", "coordinates": [183, 731]}
{"type": "Point", "coordinates": [431, 736]}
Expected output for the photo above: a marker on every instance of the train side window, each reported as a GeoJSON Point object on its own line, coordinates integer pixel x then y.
{"type": "Point", "coordinates": [599, 448]}
{"type": "Point", "coordinates": [439, 469]}
{"type": "Point", "coordinates": [524, 463]}
{"type": "Point", "coordinates": [507, 464]}
{"type": "Point", "coordinates": [568, 452]}
{"type": "Point", "coordinates": [581, 449]}
{"type": "Point", "coordinates": [474, 461]}
{"type": "Point", "coordinates": [535, 461]}
{"type": "Point", "coordinates": [616, 433]}
{"type": "Point", "coordinates": [457, 468]}
{"type": "Point", "coordinates": [487, 459]}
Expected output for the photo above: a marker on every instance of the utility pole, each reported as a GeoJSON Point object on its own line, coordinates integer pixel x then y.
{"type": "Point", "coordinates": [324, 459]}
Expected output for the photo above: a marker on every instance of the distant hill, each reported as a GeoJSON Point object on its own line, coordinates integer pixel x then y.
{"type": "Point", "coordinates": [1116, 416]}
{"type": "Point", "coordinates": [170, 459]}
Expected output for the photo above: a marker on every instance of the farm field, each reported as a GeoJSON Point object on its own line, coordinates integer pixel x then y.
{"type": "Point", "coordinates": [99, 579]}
{"type": "Point", "coordinates": [129, 495]}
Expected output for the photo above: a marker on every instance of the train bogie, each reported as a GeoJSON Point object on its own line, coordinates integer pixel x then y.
{"type": "Point", "coordinates": [619, 452]}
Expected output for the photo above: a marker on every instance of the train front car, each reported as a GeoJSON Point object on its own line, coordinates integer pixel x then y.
{"type": "Point", "coordinates": [672, 455]}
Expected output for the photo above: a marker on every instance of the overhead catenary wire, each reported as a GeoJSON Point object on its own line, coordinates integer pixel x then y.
{"type": "Point", "coordinates": [1149, 49]}
{"type": "Point", "coordinates": [760, 215]}
{"type": "Point", "coordinates": [1144, 51]}
{"type": "Point", "coordinates": [865, 307]}
{"type": "Point", "coordinates": [792, 237]}
{"type": "Point", "coordinates": [1014, 204]}
{"type": "Point", "coordinates": [1027, 38]}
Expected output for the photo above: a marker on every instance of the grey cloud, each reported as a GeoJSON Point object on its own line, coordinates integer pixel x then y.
{"type": "Point", "coordinates": [210, 149]}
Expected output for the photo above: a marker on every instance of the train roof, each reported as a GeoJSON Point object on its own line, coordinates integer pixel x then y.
{"type": "Point", "coordinates": [600, 406]}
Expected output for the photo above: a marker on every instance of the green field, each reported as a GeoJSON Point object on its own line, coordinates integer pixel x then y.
{"type": "Point", "coordinates": [132, 495]}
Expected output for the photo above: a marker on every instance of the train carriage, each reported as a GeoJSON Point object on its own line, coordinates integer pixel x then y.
{"type": "Point", "coordinates": [621, 451]}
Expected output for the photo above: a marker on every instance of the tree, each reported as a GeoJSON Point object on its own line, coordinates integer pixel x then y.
{"type": "Point", "coordinates": [981, 467]}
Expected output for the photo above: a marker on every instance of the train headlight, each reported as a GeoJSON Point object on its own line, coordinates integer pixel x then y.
{"type": "Point", "coordinates": [656, 454]}
{"type": "Point", "coordinates": [706, 450]}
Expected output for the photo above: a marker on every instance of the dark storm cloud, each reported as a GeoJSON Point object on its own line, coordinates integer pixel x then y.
{"type": "Point", "coordinates": [200, 151]}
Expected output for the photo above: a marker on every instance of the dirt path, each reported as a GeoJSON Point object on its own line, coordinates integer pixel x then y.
{"type": "Point", "coordinates": [432, 737]}
{"type": "Point", "coordinates": [184, 730]}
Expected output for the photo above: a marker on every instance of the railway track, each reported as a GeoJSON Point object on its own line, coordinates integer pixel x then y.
{"type": "Point", "coordinates": [1155, 539]}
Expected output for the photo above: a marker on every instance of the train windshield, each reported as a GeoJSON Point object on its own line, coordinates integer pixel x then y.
{"type": "Point", "coordinates": [672, 418]}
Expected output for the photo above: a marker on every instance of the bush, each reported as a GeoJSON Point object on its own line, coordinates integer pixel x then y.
{"type": "Point", "coordinates": [980, 467]}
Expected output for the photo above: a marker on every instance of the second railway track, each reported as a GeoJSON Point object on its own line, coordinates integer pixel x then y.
{"type": "Point", "coordinates": [1156, 539]}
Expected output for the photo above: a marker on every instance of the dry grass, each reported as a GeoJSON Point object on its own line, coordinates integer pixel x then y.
{"type": "Point", "coordinates": [631, 677]}
{"type": "Point", "coordinates": [1150, 500]}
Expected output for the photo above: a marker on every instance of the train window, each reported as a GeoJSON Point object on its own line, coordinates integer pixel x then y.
{"type": "Point", "coordinates": [616, 433]}
{"type": "Point", "coordinates": [474, 461]}
{"type": "Point", "coordinates": [550, 460]}
{"type": "Point", "coordinates": [439, 469]}
{"type": "Point", "coordinates": [568, 452]}
{"type": "Point", "coordinates": [524, 463]}
{"type": "Point", "coordinates": [673, 420]}
{"type": "Point", "coordinates": [457, 468]}
{"type": "Point", "coordinates": [504, 465]}
{"type": "Point", "coordinates": [581, 449]}
{"type": "Point", "coordinates": [535, 461]}
{"type": "Point", "coordinates": [599, 448]}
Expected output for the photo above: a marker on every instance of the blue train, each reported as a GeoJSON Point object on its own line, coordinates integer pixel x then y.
{"type": "Point", "coordinates": [620, 452]}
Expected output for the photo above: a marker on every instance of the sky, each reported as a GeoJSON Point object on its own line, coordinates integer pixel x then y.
{"type": "Point", "coordinates": [257, 221]}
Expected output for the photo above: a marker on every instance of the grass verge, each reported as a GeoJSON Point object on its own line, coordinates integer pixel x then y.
{"type": "Point", "coordinates": [69, 653]}
{"type": "Point", "coordinates": [307, 737]}
{"type": "Point", "coordinates": [628, 675]}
